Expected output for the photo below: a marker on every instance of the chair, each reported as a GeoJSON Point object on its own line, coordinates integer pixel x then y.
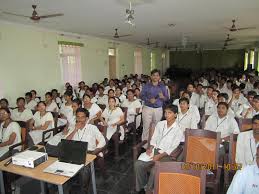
{"type": "Point", "coordinates": [172, 178]}
{"type": "Point", "coordinates": [202, 147]}
{"type": "Point", "coordinates": [54, 130]}
{"type": "Point", "coordinates": [102, 106]}
{"type": "Point", "coordinates": [203, 120]}
{"type": "Point", "coordinates": [244, 124]}
{"type": "Point", "coordinates": [24, 135]}
{"type": "Point", "coordinates": [229, 159]}
{"type": "Point", "coordinates": [55, 117]}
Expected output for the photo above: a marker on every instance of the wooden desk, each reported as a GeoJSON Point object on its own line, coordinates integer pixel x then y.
{"type": "Point", "coordinates": [38, 174]}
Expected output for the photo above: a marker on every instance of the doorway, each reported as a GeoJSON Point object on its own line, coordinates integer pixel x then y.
{"type": "Point", "coordinates": [112, 63]}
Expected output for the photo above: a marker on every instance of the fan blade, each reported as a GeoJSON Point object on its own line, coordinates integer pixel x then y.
{"type": "Point", "coordinates": [248, 28]}
{"type": "Point", "coordinates": [230, 39]}
{"type": "Point", "coordinates": [125, 35]}
{"type": "Point", "coordinates": [52, 15]}
{"type": "Point", "coordinates": [14, 14]}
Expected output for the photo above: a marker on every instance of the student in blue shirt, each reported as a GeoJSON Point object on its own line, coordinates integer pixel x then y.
{"type": "Point", "coordinates": [246, 181]}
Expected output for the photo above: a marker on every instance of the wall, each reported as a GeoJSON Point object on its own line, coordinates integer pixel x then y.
{"type": "Point", "coordinates": [207, 59]}
{"type": "Point", "coordinates": [30, 59]}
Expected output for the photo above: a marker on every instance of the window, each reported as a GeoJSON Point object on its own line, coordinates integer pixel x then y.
{"type": "Point", "coordinates": [138, 61]}
{"type": "Point", "coordinates": [246, 60]}
{"type": "Point", "coordinates": [111, 52]}
{"type": "Point", "coordinates": [152, 61]}
{"type": "Point", "coordinates": [252, 58]}
{"type": "Point", "coordinates": [70, 63]}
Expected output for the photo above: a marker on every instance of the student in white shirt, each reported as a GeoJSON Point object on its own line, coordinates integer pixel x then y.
{"type": "Point", "coordinates": [221, 122]}
{"type": "Point", "coordinates": [133, 107]}
{"type": "Point", "coordinates": [10, 133]}
{"type": "Point", "coordinates": [166, 138]}
{"type": "Point", "coordinates": [51, 105]}
{"type": "Point", "coordinates": [102, 98]}
{"type": "Point", "coordinates": [194, 96]}
{"type": "Point", "coordinates": [34, 96]}
{"type": "Point", "coordinates": [110, 95]}
{"type": "Point", "coordinates": [41, 121]}
{"type": "Point", "coordinates": [223, 97]}
{"type": "Point", "coordinates": [211, 103]}
{"type": "Point", "coordinates": [202, 98]}
{"type": "Point", "coordinates": [246, 144]}
{"type": "Point", "coordinates": [246, 110]}
{"type": "Point", "coordinates": [113, 116]}
{"type": "Point", "coordinates": [52, 146]}
{"type": "Point", "coordinates": [55, 97]}
{"type": "Point", "coordinates": [126, 88]}
{"type": "Point", "coordinates": [4, 103]}
{"type": "Point", "coordinates": [186, 118]}
{"type": "Point", "coordinates": [111, 86]}
{"type": "Point", "coordinates": [30, 103]}
{"type": "Point", "coordinates": [66, 111]}
{"type": "Point", "coordinates": [21, 113]}
{"type": "Point", "coordinates": [137, 93]}
{"type": "Point", "coordinates": [94, 110]}
{"type": "Point", "coordinates": [246, 181]}
{"type": "Point", "coordinates": [81, 89]}
{"type": "Point", "coordinates": [237, 99]}
{"type": "Point", "coordinates": [118, 94]}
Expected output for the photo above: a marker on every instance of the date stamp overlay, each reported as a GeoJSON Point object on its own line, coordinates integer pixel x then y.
{"type": "Point", "coordinates": [197, 166]}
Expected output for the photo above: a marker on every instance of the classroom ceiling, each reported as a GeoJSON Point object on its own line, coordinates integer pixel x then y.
{"type": "Point", "coordinates": [201, 22]}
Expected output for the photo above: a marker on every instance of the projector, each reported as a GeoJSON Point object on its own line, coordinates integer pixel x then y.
{"type": "Point", "coordinates": [29, 159]}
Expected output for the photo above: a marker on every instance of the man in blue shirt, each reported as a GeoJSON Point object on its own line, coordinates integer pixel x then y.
{"type": "Point", "coordinates": [246, 181]}
{"type": "Point", "coordinates": [154, 94]}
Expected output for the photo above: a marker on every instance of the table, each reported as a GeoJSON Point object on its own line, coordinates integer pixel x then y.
{"type": "Point", "coordinates": [38, 174]}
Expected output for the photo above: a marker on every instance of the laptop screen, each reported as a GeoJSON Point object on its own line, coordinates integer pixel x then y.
{"type": "Point", "coordinates": [73, 151]}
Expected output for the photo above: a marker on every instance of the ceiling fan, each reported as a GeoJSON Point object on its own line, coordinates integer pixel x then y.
{"type": "Point", "coordinates": [129, 16]}
{"type": "Point", "coordinates": [148, 43]}
{"type": "Point", "coordinates": [35, 16]}
{"type": "Point", "coordinates": [116, 35]}
{"type": "Point", "coordinates": [233, 28]}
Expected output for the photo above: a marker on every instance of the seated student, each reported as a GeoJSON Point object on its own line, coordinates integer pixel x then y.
{"type": "Point", "coordinates": [194, 96]}
{"type": "Point", "coordinates": [176, 101]}
{"type": "Point", "coordinates": [134, 107]}
{"type": "Point", "coordinates": [111, 86]}
{"type": "Point", "coordinates": [55, 97]}
{"type": "Point", "coordinates": [30, 103]}
{"type": "Point", "coordinates": [118, 94]}
{"type": "Point", "coordinates": [81, 89]}
{"type": "Point", "coordinates": [186, 118]}
{"type": "Point", "coordinates": [34, 96]}
{"type": "Point", "coordinates": [193, 108]}
{"type": "Point", "coordinates": [111, 94]}
{"type": "Point", "coordinates": [246, 144]}
{"type": "Point", "coordinates": [113, 116]}
{"type": "Point", "coordinates": [102, 98]}
{"type": "Point", "coordinates": [21, 113]}
{"type": "Point", "coordinates": [10, 133]}
{"type": "Point", "coordinates": [223, 97]}
{"type": "Point", "coordinates": [50, 103]}
{"type": "Point", "coordinates": [137, 93]}
{"type": "Point", "coordinates": [52, 145]}
{"type": "Point", "coordinates": [202, 97]}
{"type": "Point", "coordinates": [4, 103]}
{"type": "Point", "coordinates": [42, 120]}
{"type": "Point", "coordinates": [166, 138]}
{"type": "Point", "coordinates": [221, 122]}
{"type": "Point", "coordinates": [94, 110]}
{"type": "Point", "coordinates": [126, 88]}
{"type": "Point", "coordinates": [246, 181]}
{"type": "Point", "coordinates": [237, 99]}
{"type": "Point", "coordinates": [66, 111]}
{"type": "Point", "coordinates": [246, 110]}
{"type": "Point", "coordinates": [83, 131]}
{"type": "Point", "coordinates": [211, 103]}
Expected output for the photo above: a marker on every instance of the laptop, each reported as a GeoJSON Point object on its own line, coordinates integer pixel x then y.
{"type": "Point", "coordinates": [72, 157]}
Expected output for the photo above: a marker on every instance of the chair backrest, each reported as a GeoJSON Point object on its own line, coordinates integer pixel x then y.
{"type": "Point", "coordinates": [102, 106]}
{"type": "Point", "coordinates": [125, 111]}
{"type": "Point", "coordinates": [173, 178]}
{"type": "Point", "coordinates": [102, 129]}
{"type": "Point", "coordinates": [203, 120]}
{"type": "Point", "coordinates": [232, 148]}
{"type": "Point", "coordinates": [201, 146]}
{"type": "Point", "coordinates": [55, 117]}
{"type": "Point", "coordinates": [24, 133]}
{"type": "Point", "coordinates": [244, 124]}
